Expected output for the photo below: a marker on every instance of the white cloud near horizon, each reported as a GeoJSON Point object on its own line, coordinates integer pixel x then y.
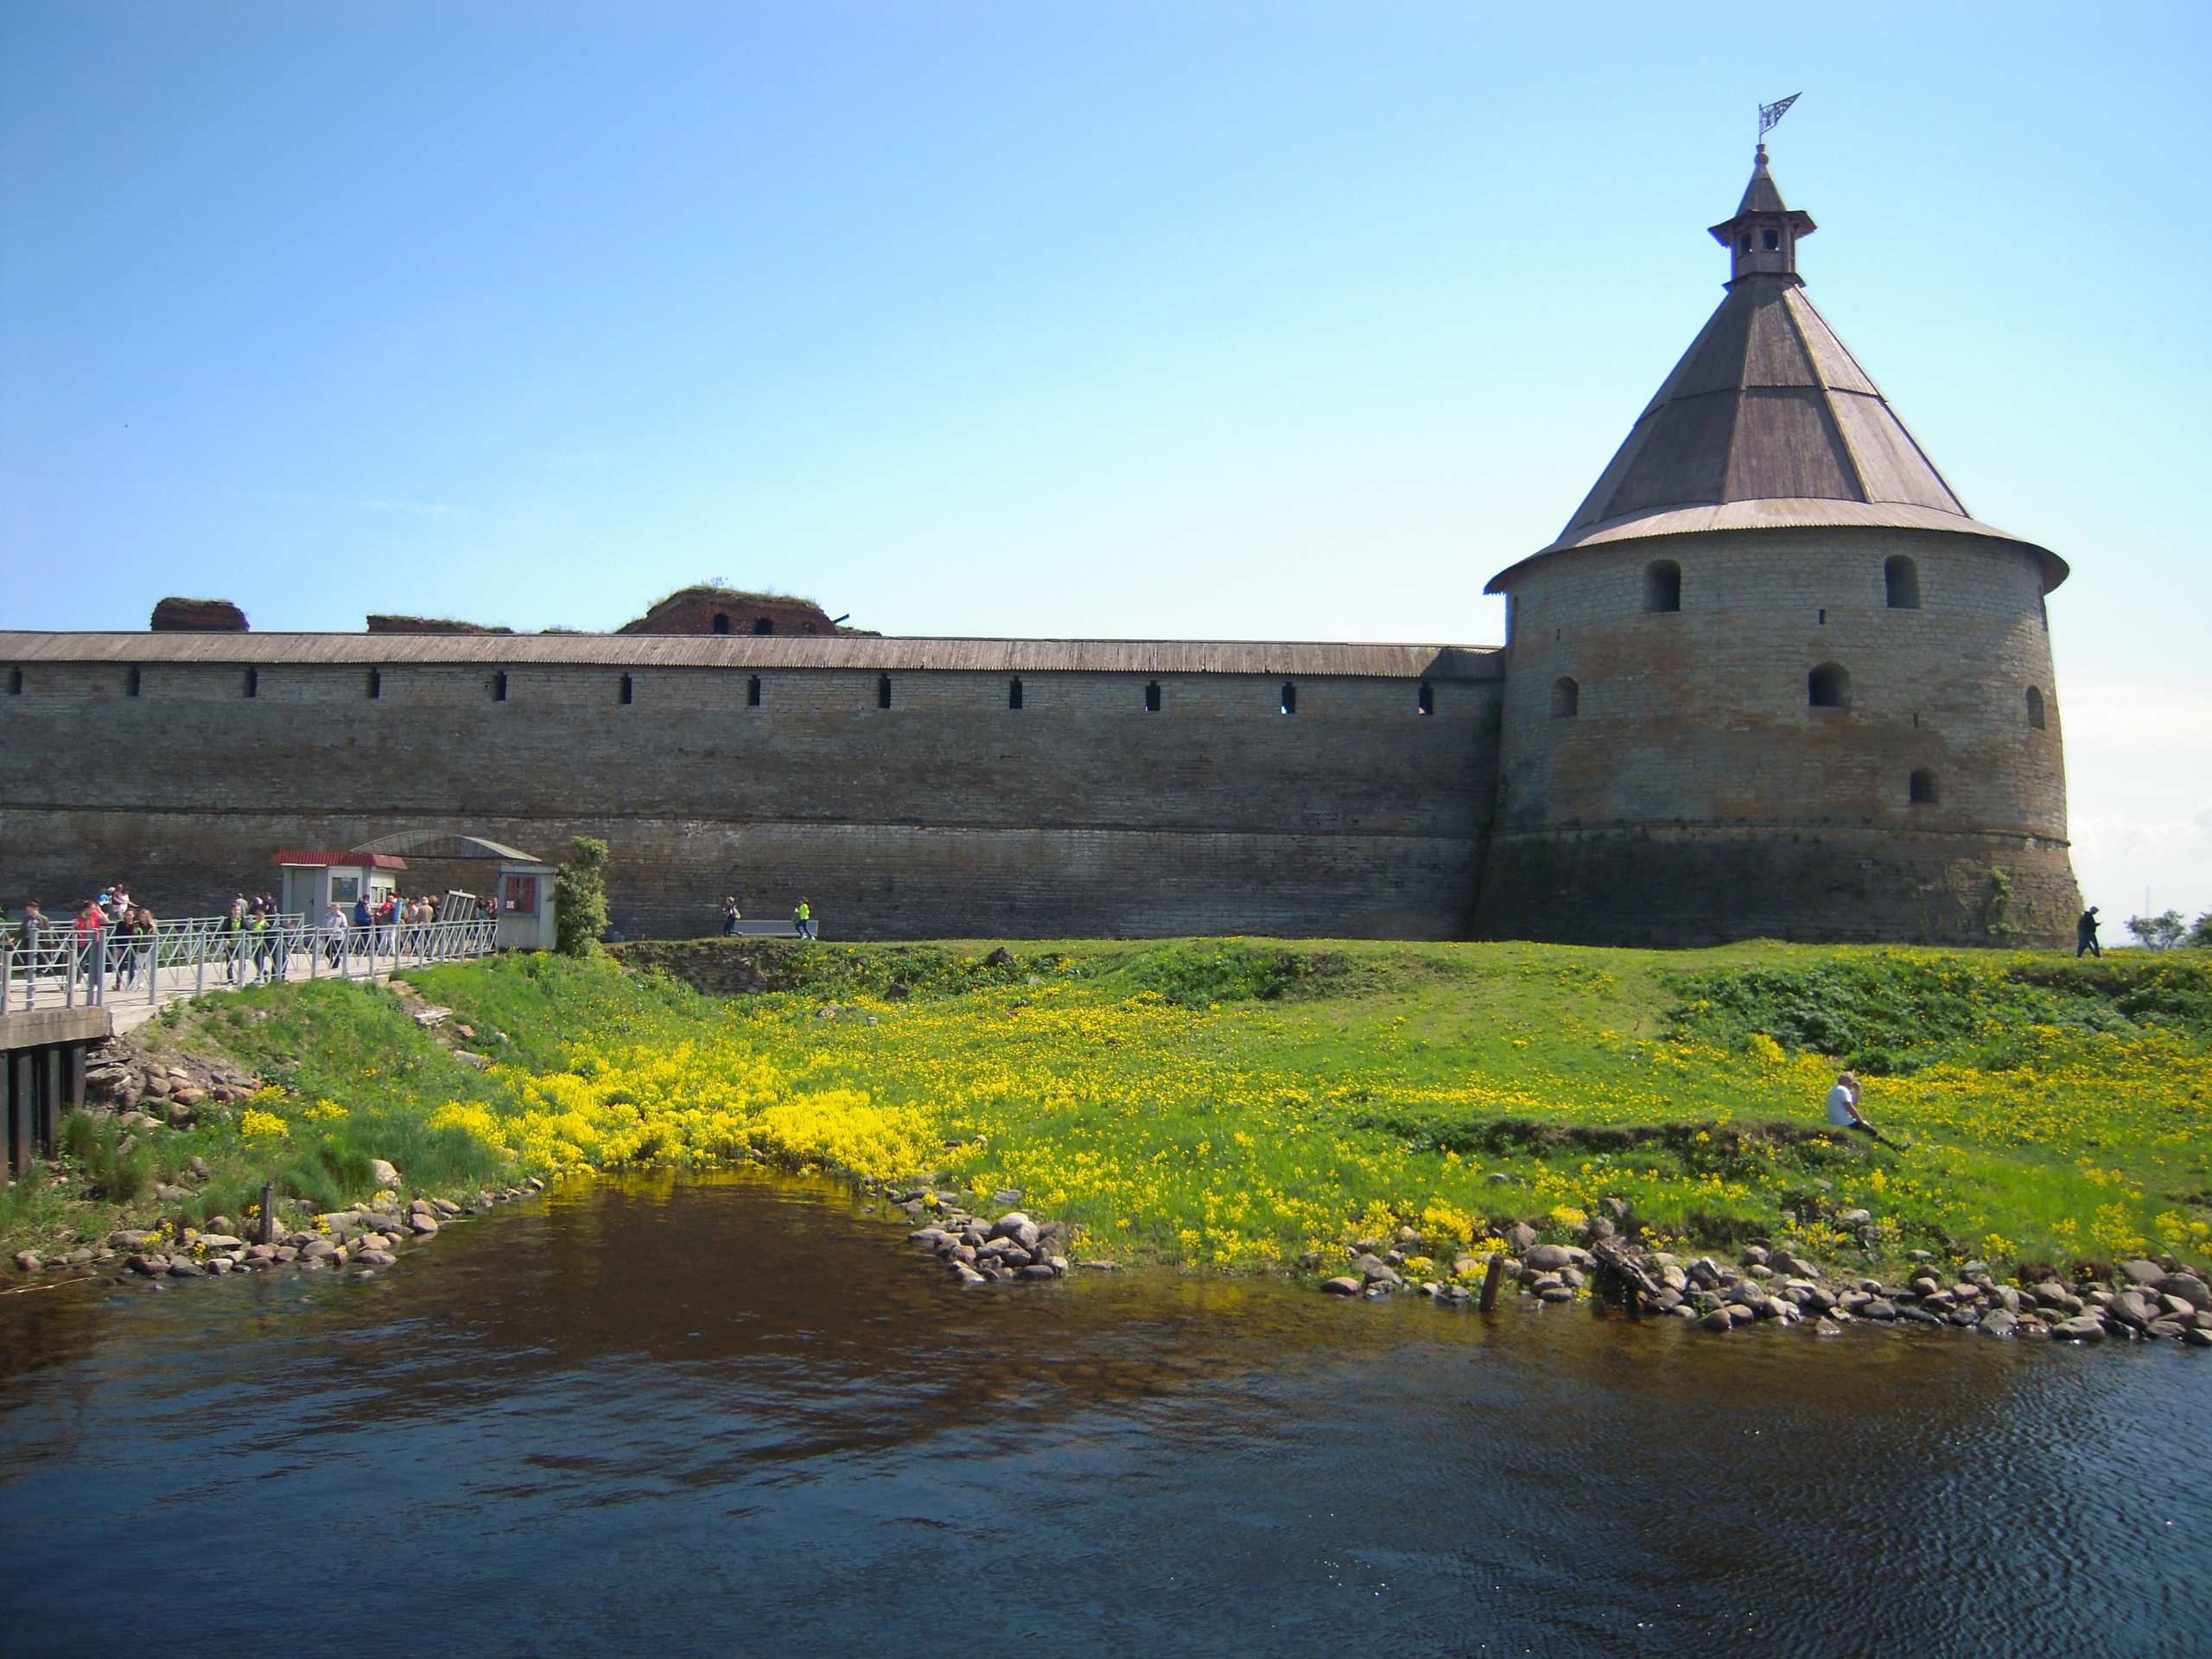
{"type": "Point", "coordinates": [2145, 743]}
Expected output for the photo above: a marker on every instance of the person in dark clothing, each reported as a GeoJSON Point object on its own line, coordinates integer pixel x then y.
{"type": "Point", "coordinates": [2085, 934]}
{"type": "Point", "coordinates": [731, 916]}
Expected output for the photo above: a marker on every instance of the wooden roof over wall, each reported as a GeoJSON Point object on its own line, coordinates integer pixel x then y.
{"type": "Point", "coordinates": [874, 654]}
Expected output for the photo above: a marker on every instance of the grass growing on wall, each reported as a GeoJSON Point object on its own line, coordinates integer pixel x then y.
{"type": "Point", "coordinates": [1234, 1103]}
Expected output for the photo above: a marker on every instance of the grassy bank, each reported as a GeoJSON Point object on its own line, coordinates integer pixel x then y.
{"type": "Point", "coordinates": [1235, 1103]}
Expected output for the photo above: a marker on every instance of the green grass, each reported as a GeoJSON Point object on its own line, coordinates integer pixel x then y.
{"type": "Point", "coordinates": [349, 1045]}
{"type": "Point", "coordinates": [2057, 1110]}
{"type": "Point", "coordinates": [1234, 1102]}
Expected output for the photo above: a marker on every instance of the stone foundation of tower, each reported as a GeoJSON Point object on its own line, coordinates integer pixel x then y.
{"type": "Point", "coordinates": [1688, 887]}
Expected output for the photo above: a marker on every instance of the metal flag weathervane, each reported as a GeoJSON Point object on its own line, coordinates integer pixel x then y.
{"type": "Point", "coordinates": [1770, 114]}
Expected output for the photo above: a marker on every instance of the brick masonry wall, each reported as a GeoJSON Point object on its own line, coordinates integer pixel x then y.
{"type": "Point", "coordinates": [947, 813]}
{"type": "Point", "coordinates": [1695, 795]}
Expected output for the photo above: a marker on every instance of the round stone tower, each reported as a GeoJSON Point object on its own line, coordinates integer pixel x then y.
{"type": "Point", "coordinates": [1773, 680]}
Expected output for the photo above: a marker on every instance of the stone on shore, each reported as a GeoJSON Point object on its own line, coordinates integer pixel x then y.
{"type": "Point", "coordinates": [2086, 1327]}
{"type": "Point", "coordinates": [2188, 1287]}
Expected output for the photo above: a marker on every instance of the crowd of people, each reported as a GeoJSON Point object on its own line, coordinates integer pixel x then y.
{"type": "Point", "coordinates": [111, 932]}
{"type": "Point", "coordinates": [113, 935]}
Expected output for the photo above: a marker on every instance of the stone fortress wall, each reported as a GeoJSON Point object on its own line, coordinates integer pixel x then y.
{"type": "Point", "coordinates": [1771, 680]}
{"type": "Point", "coordinates": [1667, 776]}
{"type": "Point", "coordinates": [182, 763]}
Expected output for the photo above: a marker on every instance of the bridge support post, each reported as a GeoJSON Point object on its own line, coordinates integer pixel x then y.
{"type": "Point", "coordinates": [22, 1110]}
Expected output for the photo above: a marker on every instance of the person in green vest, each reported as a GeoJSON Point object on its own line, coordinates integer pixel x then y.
{"type": "Point", "coordinates": [803, 917]}
{"type": "Point", "coordinates": [233, 941]}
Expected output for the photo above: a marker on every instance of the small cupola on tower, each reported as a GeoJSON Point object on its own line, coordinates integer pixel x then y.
{"type": "Point", "coordinates": [1762, 238]}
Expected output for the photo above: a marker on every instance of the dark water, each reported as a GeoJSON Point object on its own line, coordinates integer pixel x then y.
{"type": "Point", "coordinates": [729, 1417]}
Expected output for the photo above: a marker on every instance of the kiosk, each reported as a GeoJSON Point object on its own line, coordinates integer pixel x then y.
{"type": "Point", "coordinates": [525, 896]}
{"type": "Point", "coordinates": [313, 881]}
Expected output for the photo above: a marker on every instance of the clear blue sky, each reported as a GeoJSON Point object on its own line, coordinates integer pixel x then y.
{"type": "Point", "coordinates": [1275, 321]}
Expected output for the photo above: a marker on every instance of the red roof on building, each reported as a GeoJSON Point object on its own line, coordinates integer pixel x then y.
{"type": "Point", "coordinates": [353, 860]}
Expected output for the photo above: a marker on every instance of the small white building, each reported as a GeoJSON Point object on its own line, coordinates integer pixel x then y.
{"type": "Point", "coordinates": [525, 901]}
{"type": "Point", "coordinates": [315, 880]}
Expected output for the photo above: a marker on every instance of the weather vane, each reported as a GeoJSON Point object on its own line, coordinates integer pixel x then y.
{"type": "Point", "coordinates": [1771, 114]}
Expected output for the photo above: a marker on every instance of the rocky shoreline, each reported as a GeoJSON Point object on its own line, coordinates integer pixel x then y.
{"type": "Point", "coordinates": [2144, 1299]}
{"type": "Point", "coordinates": [979, 1252]}
{"type": "Point", "coordinates": [365, 1237]}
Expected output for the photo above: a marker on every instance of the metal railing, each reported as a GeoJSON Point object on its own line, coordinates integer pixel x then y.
{"type": "Point", "coordinates": [64, 967]}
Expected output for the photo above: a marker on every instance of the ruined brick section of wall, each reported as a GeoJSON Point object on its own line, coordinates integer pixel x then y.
{"type": "Point", "coordinates": [723, 610]}
{"type": "Point", "coordinates": [198, 616]}
{"type": "Point", "coordinates": [948, 813]}
{"type": "Point", "coordinates": [1694, 794]}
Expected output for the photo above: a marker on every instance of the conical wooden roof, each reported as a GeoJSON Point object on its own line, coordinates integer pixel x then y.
{"type": "Point", "coordinates": [1769, 421]}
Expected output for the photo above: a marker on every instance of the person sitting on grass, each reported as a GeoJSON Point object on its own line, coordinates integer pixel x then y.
{"type": "Point", "coordinates": [1843, 1108]}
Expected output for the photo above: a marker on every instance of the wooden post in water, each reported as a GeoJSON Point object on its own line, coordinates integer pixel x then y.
{"type": "Point", "coordinates": [1491, 1276]}
{"type": "Point", "coordinates": [268, 1229]}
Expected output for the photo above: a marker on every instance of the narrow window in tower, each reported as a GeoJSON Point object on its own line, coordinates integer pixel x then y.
{"type": "Point", "coordinates": [500, 686]}
{"type": "Point", "coordinates": [1747, 242]}
{"type": "Point", "coordinates": [132, 689]}
{"type": "Point", "coordinates": [15, 682]}
{"type": "Point", "coordinates": [764, 625]}
{"type": "Point", "coordinates": [1901, 582]}
{"type": "Point", "coordinates": [629, 689]}
{"type": "Point", "coordinates": [883, 691]}
{"type": "Point", "coordinates": [1566, 698]}
{"type": "Point", "coordinates": [2042, 608]}
{"type": "Point", "coordinates": [1426, 704]}
{"type": "Point", "coordinates": [1289, 698]}
{"type": "Point", "coordinates": [376, 684]}
{"type": "Point", "coordinates": [1662, 586]}
{"type": "Point", "coordinates": [1922, 787]}
{"type": "Point", "coordinates": [253, 682]}
{"type": "Point", "coordinates": [1014, 694]}
{"type": "Point", "coordinates": [752, 692]}
{"type": "Point", "coordinates": [2035, 708]}
{"type": "Point", "coordinates": [1774, 241]}
{"type": "Point", "coordinates": [1151, 696]}
{"type": "Point", "coordinates": [1828, 686]}
{"type": "Point", "coordinates": [721, 622]}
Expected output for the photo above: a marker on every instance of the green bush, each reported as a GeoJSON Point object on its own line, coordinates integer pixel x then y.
{"type": "Point", "coordinates": [1199, 973]}
{"type": "Point", "coordinates": [1891, 1015]}
{"type": "Point", "coordinates": [580, 897]}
